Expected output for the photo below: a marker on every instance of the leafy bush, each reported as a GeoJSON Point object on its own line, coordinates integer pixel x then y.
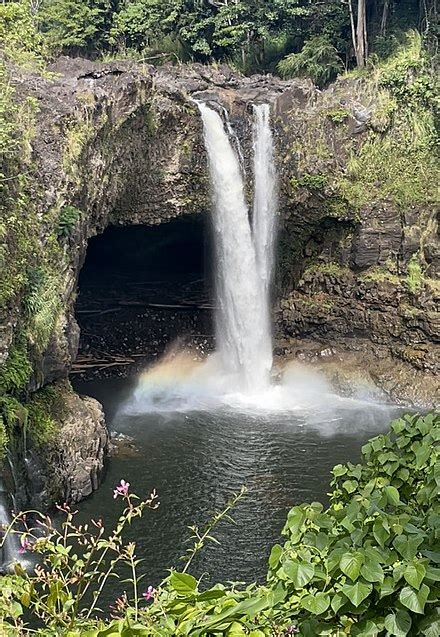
{"type": "Point", "coordinates": [407, 75]}
{"type": "Point", "coordinates": [367, 566]}
{"type": "Point", "coordinates": [21, 40]}
{"type": "Point", "coordinates": [67, 221]}
{"type": "Point", "coordinates": [337, 115]}
{"type": "Point", "coordinates": [11, 414]}
{"type": "Point", "coordinates": [318, 60]}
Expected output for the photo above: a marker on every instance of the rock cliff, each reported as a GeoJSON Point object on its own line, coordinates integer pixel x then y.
{"type": "Point", "coordinates": [121, 144]}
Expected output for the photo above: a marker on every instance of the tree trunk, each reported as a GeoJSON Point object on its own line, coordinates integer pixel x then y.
{"type": "Point", "coordinates": [361, 34]}
{"type": "Point", "coordinates": [384, 20]}
{"type": "Point", "coordinates": [359, 49]}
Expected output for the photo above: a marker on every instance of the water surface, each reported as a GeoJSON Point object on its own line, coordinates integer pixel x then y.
{"type": "Point", "coordinates": [196, 460]}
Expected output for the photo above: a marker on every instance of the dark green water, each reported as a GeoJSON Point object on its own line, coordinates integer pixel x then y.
{"type": "Point", "coordinates": [196, 460]}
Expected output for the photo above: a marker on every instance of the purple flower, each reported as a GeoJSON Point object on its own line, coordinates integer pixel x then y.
{"type": "Point", "coordinates": [149, 593]}
{"type": "Point", "coordinates": [292, 630]}
{"type": "Point", "coordinates": [121, 489]}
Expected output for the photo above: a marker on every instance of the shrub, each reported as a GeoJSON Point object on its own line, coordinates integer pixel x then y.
{"type": "Point", "coordinates": [67, 221]}
{"type": "Point", "coordinates": [21, 40]}
{"type": "Point", "coordinates": [318, 60]}
{"type": "Point", "coordinates": [367, 565]}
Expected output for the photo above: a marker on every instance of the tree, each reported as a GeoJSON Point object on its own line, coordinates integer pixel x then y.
{"type": "Point", "coordinates": [359, 32]}
{"type": "Point", "coordinates": [76, 26]}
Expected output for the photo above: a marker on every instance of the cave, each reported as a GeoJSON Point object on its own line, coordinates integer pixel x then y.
{"type": "Point", "coordinates": [142, 289]}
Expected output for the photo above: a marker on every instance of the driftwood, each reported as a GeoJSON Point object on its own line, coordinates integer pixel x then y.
{"type": "Point", "coordinates": [113, 309]}
{"type": "Point", "coordinates": [167, 306]}
{"type": "Point", "coordinates": [86, 363]}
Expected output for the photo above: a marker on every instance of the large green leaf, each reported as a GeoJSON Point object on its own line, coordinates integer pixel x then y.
{"type": "Point", "coordinates": [407, 545]}
{"type": "Point", "coordinates": [365, 628]}
{"type": "Point", "coordinates": [372, 572]}
{"type": "Point", "coordinates": [392, 495]}
{"type": "Point", "coordinates": [398, 623]}
{"type": "Point", "coordinates": [299, 573]}
{"type": "Point", "coordinates": [350, 485]}
{"type": "Point", "coordinates": [380, 532]}
{"type": "Point", "coordinates": [387, 587]}
{"type": "Point", "coordinates": [350, 564]}
{"type": "Point", "coordinates": [316, 604]}
{"type": "Point", "coordinates": [422, 454]}
{"type": "Point", "coordinates": [183, 583]}
{"type": "Point", "coordinates": [275, 555]}
{"type": "Point", "coordinates": [414, 600]}
{"type": "Point", "coordinates": [414, 573]}
{"type": "Point", "coordinates": [356, 593]}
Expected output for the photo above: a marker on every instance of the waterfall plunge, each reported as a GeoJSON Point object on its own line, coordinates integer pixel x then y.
{"type": "Point", "coordinates": [238, 374]}
{"type": "Point", "coordinates": [244, 254]}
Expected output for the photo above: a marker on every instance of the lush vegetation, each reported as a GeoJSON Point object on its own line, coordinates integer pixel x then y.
{"type": "Point", "coordinates": [304, 37]}
{"type": "Point", "coordinates": [366, 566]}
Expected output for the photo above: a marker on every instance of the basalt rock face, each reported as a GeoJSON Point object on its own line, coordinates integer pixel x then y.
{"type": "Point", "coordinates": [121, 143]}
{"type": "Point", "coordinates": [69, 468]}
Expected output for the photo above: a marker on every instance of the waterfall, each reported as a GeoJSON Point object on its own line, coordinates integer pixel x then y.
{"type": "Point", "coordinates": [244, 254]}
{"type": "Point", "coordinates": [10, 549]}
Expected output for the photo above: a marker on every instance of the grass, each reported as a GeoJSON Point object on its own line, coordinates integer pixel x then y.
{"type": "Point", "coordinates": [415, 278]}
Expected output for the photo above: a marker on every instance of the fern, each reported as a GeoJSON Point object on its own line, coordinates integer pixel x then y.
{"type": "Point", "coordinates": [68, 219]}
{"type": "Point", "coordinates": [42, 305]}
{"type": "Point", "coordinates": [318, 60]}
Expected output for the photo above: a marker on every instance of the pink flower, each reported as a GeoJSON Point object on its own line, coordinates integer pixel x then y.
{"type": "Point", "coordinates": [121, 489]}
{"type": "Point", "coordinates": [149, 593]}
{"type": "Point", "coordinates": [25, 545]}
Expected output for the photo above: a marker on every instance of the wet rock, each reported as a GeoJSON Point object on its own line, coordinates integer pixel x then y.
{"type": "Point", "coordinates": [69, 468]}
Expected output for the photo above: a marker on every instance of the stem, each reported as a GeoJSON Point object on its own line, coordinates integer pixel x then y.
{"type": "Point", "coordinates": [135, 587]}
{"type": "Point", "coordinates": [200, 539]}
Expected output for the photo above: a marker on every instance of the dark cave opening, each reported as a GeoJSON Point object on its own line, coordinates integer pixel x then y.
{"type": "Point", "coordinates": [142, 288]}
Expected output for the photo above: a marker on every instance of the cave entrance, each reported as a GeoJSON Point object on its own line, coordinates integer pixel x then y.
{"type": "Point", "coordinates": [140, 289]}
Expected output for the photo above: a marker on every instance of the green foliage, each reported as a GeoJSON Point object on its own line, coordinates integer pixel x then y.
{"type": "Point", "coordinates": [380, 274]}
{"type": "Point", "coordinates": [19, 238]}
{"type": "Point", "coordinates": [11, 414]}
{"type": "Point", "coordinates": [21, 40]}
{"type": "Point", "coordinates": [337, 115]}
{"type": "Point", "coordinates": [75, 25]}
{"type": "Point", "coordinates": [368, 565]}
{"type": "Point", "coordinates": [369, 560]}
{"type": "Point", "coordinates": [318, 60]}
{"type": "Point", "coordinates": [42, 304]}
{"type": "Point", "coordinates": [415, 276]}
{"type": "Point", "coordinates": [313, 182]}
{"type": "Point", "coordinates": [16, 371]}
{"type": "Point", "coordinates": [67, 221]}
{"type": "Point", "coordinates": [44, 409]}
{"type": "Point", "coordinates": [407, 75]}
{"type": "Point", "coordinates": [402, 165]}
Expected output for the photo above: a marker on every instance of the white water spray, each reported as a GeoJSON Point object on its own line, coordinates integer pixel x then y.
{"type": "Point", "coordinates": [244, 256]}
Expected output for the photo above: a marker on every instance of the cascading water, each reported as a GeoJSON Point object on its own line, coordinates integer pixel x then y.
{"type": "Point", "coordinates": [238, 374]}
{"type": "Point", "coordinates": [244, 255]}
